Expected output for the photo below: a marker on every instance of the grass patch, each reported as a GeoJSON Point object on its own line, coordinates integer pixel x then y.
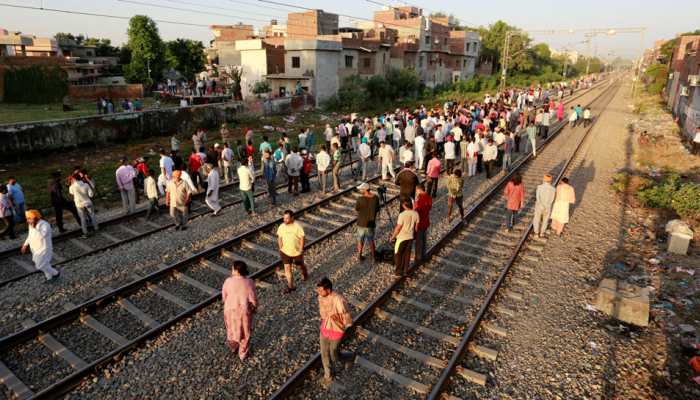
{"type": "Point", "coordinates": [19, 112]}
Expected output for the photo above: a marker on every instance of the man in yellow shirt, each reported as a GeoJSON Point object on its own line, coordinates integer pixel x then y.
{"type": "Point", "coordinates": [290, 239]}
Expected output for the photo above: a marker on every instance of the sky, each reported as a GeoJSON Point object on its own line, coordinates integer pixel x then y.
{"type": "Point", "coordinates": [676, 16]}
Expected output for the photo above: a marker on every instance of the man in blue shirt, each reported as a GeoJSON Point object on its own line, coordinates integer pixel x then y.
{"type": "Point", "coordinates": [15, 191]}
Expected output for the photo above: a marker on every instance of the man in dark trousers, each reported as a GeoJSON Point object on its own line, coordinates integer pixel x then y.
{"type": "Point", "coordinates": [59, 202]}
{"type": "Point", "coordinates": [367, 207]}
{"type": "Point", "coordinates": [407, 181]}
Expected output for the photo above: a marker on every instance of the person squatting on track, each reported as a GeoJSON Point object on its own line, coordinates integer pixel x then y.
{"type": "Point", "coordinates": [240, 303]}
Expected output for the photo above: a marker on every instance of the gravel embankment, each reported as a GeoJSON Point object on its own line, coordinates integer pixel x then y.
{"type": "Point", "coordinates": [555, 347]}
{"type": "Point", "coordinates": [87, 277]}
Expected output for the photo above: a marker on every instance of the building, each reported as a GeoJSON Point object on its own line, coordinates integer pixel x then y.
{"type": "Point", "coordinates": [683, 87]}
{"type": "Point", "coordinates": [364, 53]}
{"type": "Point", "coordinates": [570, 55]}
{"type": "Point", "coordinates": [257, 58]}
{"type": "Point", "coordinates": [310, 24]}
{"type": "Point", "coordinates": [428, 45]}
{"type": "Point", "coordinates": [16, 44]}
{"type": "Point", "coordinates": [311, 64]}
{"type": "Point", "coordinates": [224, 44]}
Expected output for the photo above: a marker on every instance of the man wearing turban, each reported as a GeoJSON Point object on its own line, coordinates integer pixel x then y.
{"type": "Point", "coordinates": [39, 242]}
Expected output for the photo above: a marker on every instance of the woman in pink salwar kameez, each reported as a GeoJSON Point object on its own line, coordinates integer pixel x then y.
{"type": "Point", "coordinates": [560, 111]}
{"type": "Point", "coordinates": [240, 303]}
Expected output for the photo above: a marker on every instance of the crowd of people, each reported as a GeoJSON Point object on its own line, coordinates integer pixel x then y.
{"type": "Point", "coordinates": [459, 137]}
{"type": "Point", "coordinates": [453, 141]}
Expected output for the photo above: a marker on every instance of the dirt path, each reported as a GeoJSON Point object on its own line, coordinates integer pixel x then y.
{"type": "Point", "coordinates": [556, 348]}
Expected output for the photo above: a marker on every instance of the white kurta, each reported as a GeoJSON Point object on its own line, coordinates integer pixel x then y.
{"type": "Point", "coordinates": [41, 245]}
{"type": "Point", "coordinates": [212, 198]}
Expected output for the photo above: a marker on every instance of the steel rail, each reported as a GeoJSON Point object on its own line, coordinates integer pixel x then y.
{"type": "Point", "coordinates": [296, 378]}
{"type": "Point", "coordinates": [118, 220]}
{"type": "Point", "coordinates": [99, 302]}
{"type": "Point", "coordinates": [462, 348]}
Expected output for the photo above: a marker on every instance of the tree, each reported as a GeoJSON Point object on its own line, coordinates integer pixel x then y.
{"type": "Point", "coordinates": [103, 47]}
{"type": "Point", "coordinates": [147, 51]}
{"type": "Point", "coordinates": [492, 40]}
{"type": "Point", "coordinates": [185, 56]}
{"type": "Point", "coordinates": [65, 39]}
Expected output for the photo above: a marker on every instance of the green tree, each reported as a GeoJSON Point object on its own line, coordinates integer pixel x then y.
{"type": "Point", "coordinates": [103, 47]}
{"type": "Point", "coordinates": [185, 56]}
{"type": "Point", "coordinates": [492, 41]}
{"type": "Point", "coordinates": [65, 39]}
{"type": "Point", "coordinates": [147, 51]}
{"type": "Point", "coordinates": [655, 78]}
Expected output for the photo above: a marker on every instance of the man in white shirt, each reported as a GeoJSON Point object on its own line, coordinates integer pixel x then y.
{"type": "Point", "coordinates": [420, 152]}
{"type": "Point", "coordinates": [245, 185]}
{"type": "Point", "coordinates": [323, 161]}
{"type": "Point", "coordinates": [294, 163]}
{"type": "Point", "coordinates": [39, 242]}
{"type": "Point", "coordinates": [152, 189]}
{"type": "Point", "coordinates": [364, 151]}
{"type": "Point", "coordinates": [82, 194]}
{"type": "Point", "coordinates": [386, 160]}
{"type": "Point", "coordinates": [490, 155]}
{"type": "Point", "coordinates": [696, 141]}
{"type": "Point", "coordinates": [227, 162]}
{"type": "Point", "coordinates": [405, 153]}
{"type": "Point", "coordinates": [166, 164]}
{"type": "Point", "coordinates": [450, 154]}
{"type": "Point", "coordinates": [212, 196]}
{"type": "Point", "coordinates": [125, 182]}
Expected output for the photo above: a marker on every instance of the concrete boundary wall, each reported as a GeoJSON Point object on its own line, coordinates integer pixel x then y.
{"type": "Point", "coordinates": [19, 138]}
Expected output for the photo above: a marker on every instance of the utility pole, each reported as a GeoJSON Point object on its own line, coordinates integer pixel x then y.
{"type": "Point", "coordinates": [504, 60]}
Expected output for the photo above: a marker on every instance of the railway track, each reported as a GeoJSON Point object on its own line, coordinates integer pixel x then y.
{"type": "Point", "coordinates": [115, 232]}
{"type": "Point", "coordinates": [125, 317]}
{"type": "Point", "coordinates": [119, 230]}
{"type": "Point", "coordinates": [417, 338]}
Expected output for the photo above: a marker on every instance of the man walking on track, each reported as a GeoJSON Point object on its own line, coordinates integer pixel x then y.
{"type": "Point", "coordinates": [407, 181]}
{"type": "Point", "coordinates": [367, 207]}
{"type": "Point", "coordinates": [125, 181]}
{"type": "Point", "coordinates": [177, 197]}
{"type": "Point", "coordinates": [335, 319]}
{"type": "Point", "coordinates": [213, 180]}
{"type": "Point", "coordinates": [290, 239]}
{"type": "Point", "coordinates": [422, 206]}
{"type": "Point", "coordinates": [39, 242]}
{"type": "Point", "coordinates": [404, 233]}
{"type": "Point", "coordinates": [544, 197]}
{"type": "Point", "coordinates": [245, 185]}
{"type": "Point", "coordinates": [240, 303]}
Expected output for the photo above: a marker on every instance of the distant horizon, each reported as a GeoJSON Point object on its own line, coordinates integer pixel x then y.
{"type": "Point", "coordinates": [194, 17]}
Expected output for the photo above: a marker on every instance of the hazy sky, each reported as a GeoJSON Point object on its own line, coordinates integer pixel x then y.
{"type": "Point", "coordinates": [673, 17]}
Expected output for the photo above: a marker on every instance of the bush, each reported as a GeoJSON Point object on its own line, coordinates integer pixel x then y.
{"type": "Point", "coordinates": [36, 85]}
{"type": "Point", "coordinates": [661, 195]}
{"type": "Point", "coordinates": [261, 87]}
{"type": "Point", "coordinates": [686, 201]}
{"type": "Point", "coordinates": [655, 78]}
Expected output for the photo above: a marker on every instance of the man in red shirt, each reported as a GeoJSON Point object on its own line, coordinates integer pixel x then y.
{"type": "Point", "coordinates": [422, 206]}
{"type": "Point", "coordinates": [195, 163]}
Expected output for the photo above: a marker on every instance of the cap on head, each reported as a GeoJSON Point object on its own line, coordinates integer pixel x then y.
{"type": "Point", "coordinates": [216, 145]}
{"type": "Point", "coordinates": [363, 186]}
{"type": "Point", "coordinates": [547, 178]}
{"type": "Point", "coordinates": [177, 174]}
{"type": "Point", "coordinates": [32, 214]}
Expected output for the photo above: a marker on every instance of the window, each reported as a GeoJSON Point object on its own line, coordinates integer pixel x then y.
{"type": "Point", "coordinates": [427, 39]}
{"type": "Point", "coordinates": [383, 58]}
{"type": "Point", "coordinates": [366, 62]}
{"type": "Point", "coordinates": [465, 63]}
{"type": "Point", "coordinates": [296, 62]}
{"type": "Point", "coordinates": [468, 47]}
{"type": "Point", "coordinates": [348, 61]}
{"type": "Point", "coordinates": [444, 41]}
{"type": "Point", "coordinates": [420, 61]}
